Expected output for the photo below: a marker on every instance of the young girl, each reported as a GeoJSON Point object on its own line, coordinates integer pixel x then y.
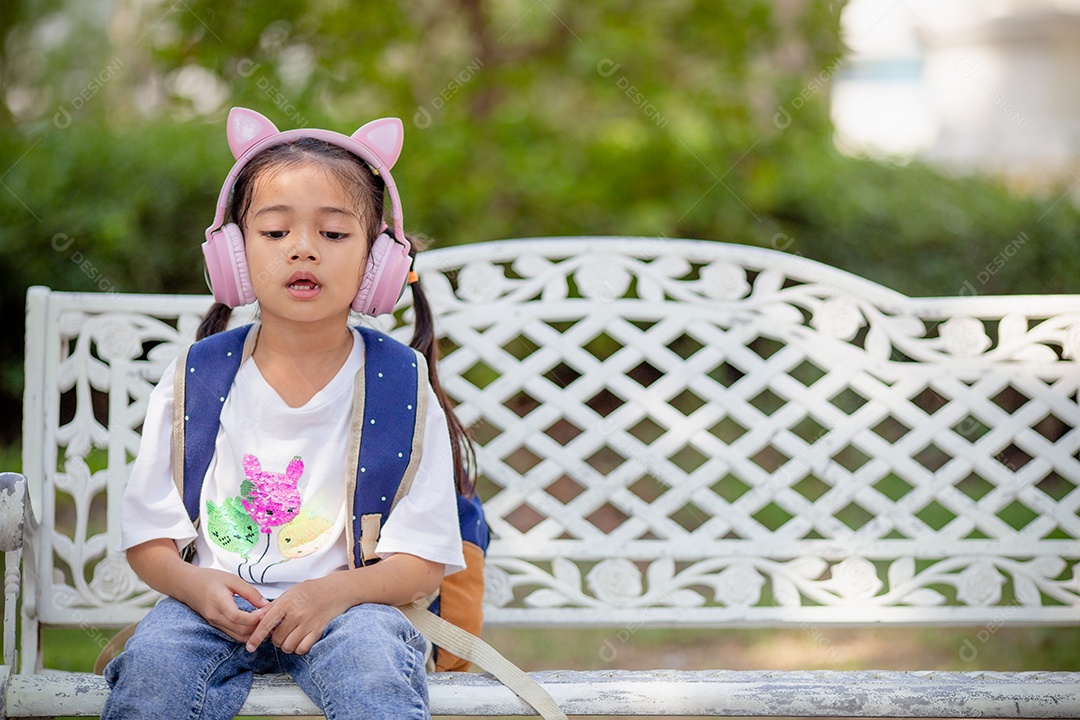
{"type": "Point", "coordinates": [272, 586]}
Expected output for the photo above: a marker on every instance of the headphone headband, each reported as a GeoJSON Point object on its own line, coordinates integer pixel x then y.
{"type": "Point", "coordinates": [354, 146]}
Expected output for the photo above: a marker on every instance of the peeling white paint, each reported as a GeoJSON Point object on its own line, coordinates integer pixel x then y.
{"type": "Point", "coordinates": [12, 510]}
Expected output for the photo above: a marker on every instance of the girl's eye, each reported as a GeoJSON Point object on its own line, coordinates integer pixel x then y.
{"type": "Point", "coordinates": [330, 235]}
{"type": "Point", "coordinates": [275, 234]}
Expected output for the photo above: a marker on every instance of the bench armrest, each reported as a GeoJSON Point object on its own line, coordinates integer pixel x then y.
{"type": "Point", "coordinates": [14, 510]}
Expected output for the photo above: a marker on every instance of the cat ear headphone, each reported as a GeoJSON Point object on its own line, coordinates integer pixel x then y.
{"type": "Point", "coordinates": [378, 143]}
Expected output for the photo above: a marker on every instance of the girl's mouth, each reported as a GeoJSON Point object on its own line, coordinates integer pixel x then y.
{"type": "Point", "coordinates": [303, 286]}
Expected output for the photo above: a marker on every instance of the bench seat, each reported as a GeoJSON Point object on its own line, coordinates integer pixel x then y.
{"type": "Point", "coordinates": [660, 693]}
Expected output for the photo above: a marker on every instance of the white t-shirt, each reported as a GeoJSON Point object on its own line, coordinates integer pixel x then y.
{"type": "Point", "coordinates": [273, 501]}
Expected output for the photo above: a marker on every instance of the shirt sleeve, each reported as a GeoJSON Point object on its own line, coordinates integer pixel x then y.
{"type": "Point", "coordinates": [152, 508]}
{"type": "Point", "coordinates": [425, 522]}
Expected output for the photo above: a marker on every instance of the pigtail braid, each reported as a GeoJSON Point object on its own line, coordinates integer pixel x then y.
{"type": "Point", "coordinates": [214, 321]}
{"type": "Point", "coordinates": [423, 340]}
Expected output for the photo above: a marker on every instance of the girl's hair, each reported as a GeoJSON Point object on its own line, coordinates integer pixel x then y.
{"type": "Point", "coordinates": [368, 193]}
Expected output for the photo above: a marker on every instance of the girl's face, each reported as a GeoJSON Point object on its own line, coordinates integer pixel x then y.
{"type": "Point", "coordinates": [306, 247]}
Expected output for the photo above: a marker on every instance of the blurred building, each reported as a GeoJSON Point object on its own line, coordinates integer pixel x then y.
{"type": "Point", "coordinates": [970, 85]}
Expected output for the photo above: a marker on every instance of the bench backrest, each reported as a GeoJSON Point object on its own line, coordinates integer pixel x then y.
{"type": "Point", "coordinates": [670, 432]}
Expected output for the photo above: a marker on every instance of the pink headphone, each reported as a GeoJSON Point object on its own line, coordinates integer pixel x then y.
{"type": "Point", "coordinates": [378, 143]}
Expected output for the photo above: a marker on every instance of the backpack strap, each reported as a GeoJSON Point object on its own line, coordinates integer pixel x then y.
{"type": "Point", "coordinates": [204, 375]}
{"type": "Point", "coordinates": [385, 440]}
{"type": "Point", "coordinates": [475, 650]}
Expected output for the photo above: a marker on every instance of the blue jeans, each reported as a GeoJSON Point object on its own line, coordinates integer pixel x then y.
{"type": "Point", "coordinates": [368, 664]}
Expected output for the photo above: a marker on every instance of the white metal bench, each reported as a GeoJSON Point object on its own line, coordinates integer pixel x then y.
{"type": "Point", "coordinates": [671, 433]}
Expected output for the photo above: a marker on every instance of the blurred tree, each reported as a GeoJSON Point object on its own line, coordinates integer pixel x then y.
{"type": "Point", "coordinates": [685, 118]}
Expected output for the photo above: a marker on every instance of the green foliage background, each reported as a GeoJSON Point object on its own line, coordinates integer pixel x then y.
{"type": "Point", "coordinates": [684, 118]}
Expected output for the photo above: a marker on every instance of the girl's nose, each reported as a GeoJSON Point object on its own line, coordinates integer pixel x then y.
{"type": "Point", "coordinates": [303, 248]}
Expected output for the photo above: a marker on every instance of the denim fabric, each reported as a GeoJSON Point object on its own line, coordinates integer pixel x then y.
{"type": "Point", "coordinates": [368, 664]}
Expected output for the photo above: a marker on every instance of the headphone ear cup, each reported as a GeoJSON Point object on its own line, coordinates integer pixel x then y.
{"type": "Point", "coordinates": [385, 277]}
{"type": "Point", "coordinates": [226, 264]}
{"type": "Point", "coordinates": [238, 255]}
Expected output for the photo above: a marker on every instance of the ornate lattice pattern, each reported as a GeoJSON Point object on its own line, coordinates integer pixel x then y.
{"type": "Point", "coordinates": [103, 355]}
{"type": "Point", "coordinates": [698, 432]}
{"type": "Point", "coordinates": [667, 430]}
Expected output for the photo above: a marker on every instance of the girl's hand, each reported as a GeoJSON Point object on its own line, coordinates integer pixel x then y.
{"type": "Point", "coordinates": [206, 591]}
{"type": "Point", "coordinates": [297, 619]}
{"type": "Point", "coordinates": [210, 593]}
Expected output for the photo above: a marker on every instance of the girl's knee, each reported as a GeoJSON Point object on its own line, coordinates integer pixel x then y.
{"type": "Point", "coordinates": [370, 659]}
{"type": "Point", "coordinates": [373, 631]}
{"type": "Point", "coordinates": [171, 641]}
{"type": "Point", "coordinates": [376, 620]}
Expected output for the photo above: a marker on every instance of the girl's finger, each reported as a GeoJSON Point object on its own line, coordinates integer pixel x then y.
{"type": "Point", "coordinates": [249, 593]}
{"type": "Point", "coordinates": [294, 641]}
{"type": "Point", "coordinates": [265, 627]}
{"type": "Point", "coordinates": [307, 643]}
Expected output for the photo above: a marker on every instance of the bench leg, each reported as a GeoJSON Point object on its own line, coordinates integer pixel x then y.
{"type": "Point", "coordinates": [30, 650]}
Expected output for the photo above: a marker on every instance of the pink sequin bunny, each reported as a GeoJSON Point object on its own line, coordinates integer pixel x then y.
{"type": "Point", "coordinates": [271, 499]}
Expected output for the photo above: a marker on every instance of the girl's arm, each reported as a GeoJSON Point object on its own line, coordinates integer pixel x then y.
{"type": "Point", "coordinates": [297, 618]}
{"type": "Point", "coordinates": [206, 591]}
